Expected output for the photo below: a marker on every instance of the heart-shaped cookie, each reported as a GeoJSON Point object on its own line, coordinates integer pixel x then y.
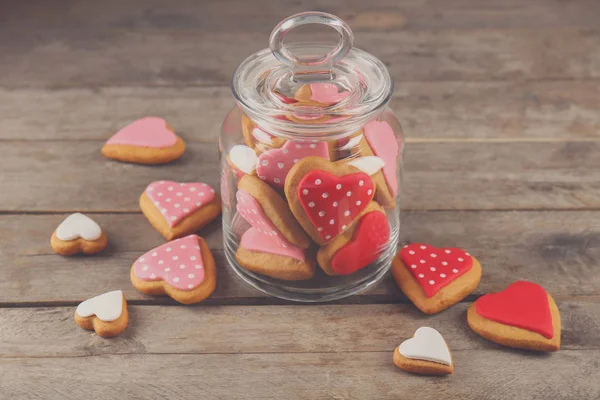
{"type": "Point", "coordinates": [435, 268]}
{"type": "Point", "coordinates": [368, 241]}
{"type": "Point", "coordinates": [383, 142]}
{"type": "Point", "coordinates": [274, 165]}
{"type": "Point", "coordinates": [522, 304]}
{"type": "Point", "coordinates": [78, 226]}
{"type": "Point", "coordinates": [321, 93]}
{"type": "Point", "coordinates": [178, 209]}
{"type": "Point", "coordinates": [426, 353]}
{"type": "Point", "coordinates": [327, 198]}
{"type": "Point", "coordinates": [78, 233]}
{"type": "Point", "coordinates": [183, 269]}
{"type": "Point", "coordinates": [106, 314]}
{"type": "Point", "coordinates": [523, 316]}
{"type": "Point", "coordinates": [242, 160]}
{"type": "Point", "coordinates": [146, 132]}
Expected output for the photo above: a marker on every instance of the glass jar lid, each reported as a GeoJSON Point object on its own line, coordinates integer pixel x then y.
{"type": "Point", "coordinates": [311, 89]}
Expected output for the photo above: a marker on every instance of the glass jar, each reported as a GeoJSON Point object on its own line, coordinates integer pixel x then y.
{"type": "Point", "coordinates": [311, 162]}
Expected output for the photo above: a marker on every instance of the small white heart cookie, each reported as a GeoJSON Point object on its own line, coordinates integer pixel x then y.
{"type": "Point", "coordinates": [78, 226]}
{"type": "Point", "coordinates": [425, 353]}
{"type": "Point", "coordinates": [105, 314]}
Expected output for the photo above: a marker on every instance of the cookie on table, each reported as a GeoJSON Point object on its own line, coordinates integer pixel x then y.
{"type": "Point", "coordinates": [426, 353]}
{"type": "Point", "coordinates": [327, 198]}
{"type": "Point", "coordinates": [358, 246]}
{"type": "Point", "coordinates": [522, 316]}
{"type": "Point", "coordinates": [78, 233]}
{"type": "Point", "coordinates": [255, 196]}
{"type": "Point", "coordinates": [178, 209]}
{"type": "Point", "coordinates": [183, 269]}
{"type": "Point", "coordinates": [105, 314]}
{"type": "Point", "coordinates": [148, 140]}
{"type": "Point", "coordinates": [435, 278]}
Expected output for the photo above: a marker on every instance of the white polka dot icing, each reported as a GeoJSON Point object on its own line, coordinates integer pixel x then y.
{"type": "Point", "coordinates": [434, 268]}
{"type": "Point", "coordinates": [274, 165]}
{"type": "Point", "coordinates": [197, 194]}
{"type": "Point", "coordinates": [339, 207]}
{"type": "Point", "coordinates": [164, 267]}
{"type": "Point", "coordinates": [252, 212]}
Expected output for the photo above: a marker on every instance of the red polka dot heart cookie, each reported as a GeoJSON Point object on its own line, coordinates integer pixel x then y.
{"type": "Point", "coordinates": [435, 278]}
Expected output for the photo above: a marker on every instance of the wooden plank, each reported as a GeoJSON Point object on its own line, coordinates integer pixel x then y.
{"type": "Point", "coordinates": [438, 176]}
{"type": "Point", "coordinates": [51, 332]}
{"type": "Point", "coordinates": [489, 374]}
{"type": "Point", "coordinates": [547, 110]}
{"type": "Point", "coordinates": [261, 15]}
{"type": "Point", "coordinates": [560, 250]}
{"type": "Point", "coordinates": [68, 58]}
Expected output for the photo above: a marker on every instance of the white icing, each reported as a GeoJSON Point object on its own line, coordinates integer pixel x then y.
{"type": "Point", "coordinates": [261, 136]}
{"type": "Point", "coordinates": [428, 345]}
{"type": "Point", "coordinates": [107, 307]}
{"type": "Point", "coordinates": [352, 143]}
{"type": "Point", "coordinates": [78, 225]}
{"type": "Point", "coordinates": [244, 158]}
{"type": "Point", "coordinates": [369, 164]}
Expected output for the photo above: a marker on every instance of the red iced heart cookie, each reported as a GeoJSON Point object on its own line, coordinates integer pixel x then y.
{"type": "Point", "coordinates": [332, 202]}
{"type": "Point", "coordinates": [274, 165]}
{"type": "Point", "coordinates": [369, 239]}
{"type": "Point", "coordinates": [522, 304]}
{"type": "Point", "coordinates": [435, 268]}
{"type": "Point", "coordinates": [145, 132]}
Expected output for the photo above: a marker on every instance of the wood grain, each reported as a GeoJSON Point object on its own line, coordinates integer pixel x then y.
{"type": "Point", "coordinates": [489, 374]}
{"type": "Point", "coordinates": [476, 111]}
{"type": "Point", "coordinates": [68, 176]}
{"type": "Point", "coordinates": [559, 250]}
{"type": "Point", "coordinates": [150, 57]}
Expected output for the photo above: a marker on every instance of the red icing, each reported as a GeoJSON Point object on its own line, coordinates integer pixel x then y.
{"type": "Point", "coordinates": [179, 263]}
{"type": "Point", "coordinates": [522, 304]}
{"type": "Point", "coordinates": [370, 237]}
{"type": "Point", "coordinates": [274, 165]}
{"type": "Point", "coordinates": [176, 201]}
{"type": "Point", "coordinates": [332, 203]}
{"type": "Point", "coordinates": [435, 268]}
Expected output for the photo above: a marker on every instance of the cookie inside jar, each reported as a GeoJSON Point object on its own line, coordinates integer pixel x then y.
{"type": "Point", "coordinates": [311, 161]}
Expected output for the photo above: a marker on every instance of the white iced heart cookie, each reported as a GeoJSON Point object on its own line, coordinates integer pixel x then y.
{"type": "Point", "coordinates": [427, 345]}
{"type": "Point", "coordinates": [243, 158]}
{"type": "Point", "coordinates": [78, 226]}
{"type": "Point", "coordinates": [107, 307]}
{"type": "Point", "coordinates": [368, 164]}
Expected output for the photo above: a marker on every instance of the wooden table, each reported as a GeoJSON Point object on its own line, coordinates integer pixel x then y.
{"type": "Point", "coordinates": [500, 103]}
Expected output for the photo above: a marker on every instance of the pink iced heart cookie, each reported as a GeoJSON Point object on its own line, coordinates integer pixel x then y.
{"type": "Point", "coordinates": [322, 93]}
{"type": "Point", "coordinates": [178, 209]}
{"type": "Point", "coordinates": [382, 142]}
{"type": "Point", "coordinates": [274, 165]}
{"type": "Point", "coordinates": [146, 141]}
{"type": "Point", "coordinates": [183, 269]}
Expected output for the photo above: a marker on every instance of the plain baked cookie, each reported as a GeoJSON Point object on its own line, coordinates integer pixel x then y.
{"type": "Point", "coordinates": [178, 209]}
{"type": "Point", "coordinates": [435, 279]}
{"type": "Point", "coordinates": [255, 197]}
{"type": "Point", "coordinates": [522, 316]}
{"type": "Point", "coordinates": [358, 246]}
{"type": "Point", "coordinates": [78, 233]}
{"type": "Point", "coordinates": [105, 314]}
{"type": "Point", "coordinates": [183, 269]}
{"type": "Point", "coordinates": [327, 198]}
{"type": "Point", "coordinates": [426, 353]}
{"type": "Point", "coordinates": [260, 253]}
{"type": "Point", "coordinates": [148, 140]}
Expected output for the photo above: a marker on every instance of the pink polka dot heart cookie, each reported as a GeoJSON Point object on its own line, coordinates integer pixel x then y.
{"type": "Point", "coordinates": [148, 140]}
{"type": "Point", "coordinates": [327, 198]}
{"type": "Point", "coordinates": [178, 209]}
{"type": "Point", "coordinates": [435, 278]}
{"type": "Point", "coordinates": [183, 269]}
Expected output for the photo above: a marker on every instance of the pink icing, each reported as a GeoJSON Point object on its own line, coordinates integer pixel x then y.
{"type": "Point", "coordinates": [252, 212]}
{"type": "Point", "coordinates": [274, 165]}
{"type": "Point", "coordinates": [382, 141]}
{"type": "Point", "coordinates": [145, 132]}
{"type": "Point", "coordinates": [178, 200]}
{"type": "Point", "coordinates": [179, 263]}
{"type": "Point", "coordinates": [326, 93]}
{"type": "Point", "coordinates": [254, 240]}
